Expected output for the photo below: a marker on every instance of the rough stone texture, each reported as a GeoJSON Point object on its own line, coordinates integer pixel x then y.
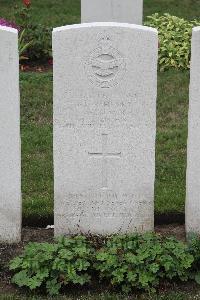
{"type": "Point", "coordinates": [10, 168]}
{"type": "Point", "coordinates": [193, 151]}
{"type": "Point", "coordinates": [125, 11]}
{"type": "Point", "coordinates": [105, 83]}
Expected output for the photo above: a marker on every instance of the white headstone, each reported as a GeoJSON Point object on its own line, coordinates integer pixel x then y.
{"type": "Point", "coordinates": [193, 151]}
{"type": "Point", "coordinates": [10, 169]}
{"type": "Point", "coordinates": [105, 83]}
{"type": "Point", "coordinates": [125, 11]}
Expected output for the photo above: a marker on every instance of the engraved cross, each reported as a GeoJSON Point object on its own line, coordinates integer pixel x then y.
{"type": "Point", "coordinates": [104, 155]}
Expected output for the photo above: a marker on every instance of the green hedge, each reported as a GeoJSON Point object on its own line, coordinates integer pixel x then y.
{"type": "Point", "coordinates": [174, 40]}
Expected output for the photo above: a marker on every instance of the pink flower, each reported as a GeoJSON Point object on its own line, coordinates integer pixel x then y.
{"type": "Point", "coordinates": [6, 23]}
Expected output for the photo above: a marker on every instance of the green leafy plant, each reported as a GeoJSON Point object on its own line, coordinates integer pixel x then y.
{"type": "Point", "coordinates": [194, 249]}
{"type": "Point", "coordinates": [53, 265]}
{"type": "Point", "coordinates": [128, 262]}
{"type": "Point", "coordinates": [40, 36]}
{"type": "Point", "coordinates": [23, 46]}
{"type": "Point", "coordinates": [174, 40]}
{"type": "Point", "coordinates": [141, 261]}
{"type": "Point", "coordinates": [36, 38]}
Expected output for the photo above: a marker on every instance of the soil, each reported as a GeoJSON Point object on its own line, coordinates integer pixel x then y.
{"type": "Point", "coordinates": [175, 230]}
{"type": "Point", "coordinates": [39, 67]}
{"type": "Point", "coordinates": [7, 252]}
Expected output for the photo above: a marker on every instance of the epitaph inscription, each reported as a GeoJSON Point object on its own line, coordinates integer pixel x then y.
{"type": "Point", "coordinates": [100, 110]}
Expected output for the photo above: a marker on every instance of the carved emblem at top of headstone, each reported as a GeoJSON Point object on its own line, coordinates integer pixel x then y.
{"type": "Point", "coordinates": [105, 65]}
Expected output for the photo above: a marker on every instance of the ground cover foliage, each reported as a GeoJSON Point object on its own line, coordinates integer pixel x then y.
{"type": "Point", "coordinates": [132, 262]}
{"type": "Point", "coordinates": [67, 261]}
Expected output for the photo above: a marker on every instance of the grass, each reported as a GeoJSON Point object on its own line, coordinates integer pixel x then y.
{"type": "Point", "coordinates": [61, 12]}
{"type": "Point", "coordinates": [172, 110]}
{"type": "Point", "coordinates": [188, 9]}
{"type": "Point", "coordinates": [36, 117]}
{"type": "Point", "coordinates": [36, 129]}
{"type": "Point", "coordinates": [36, 133]}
